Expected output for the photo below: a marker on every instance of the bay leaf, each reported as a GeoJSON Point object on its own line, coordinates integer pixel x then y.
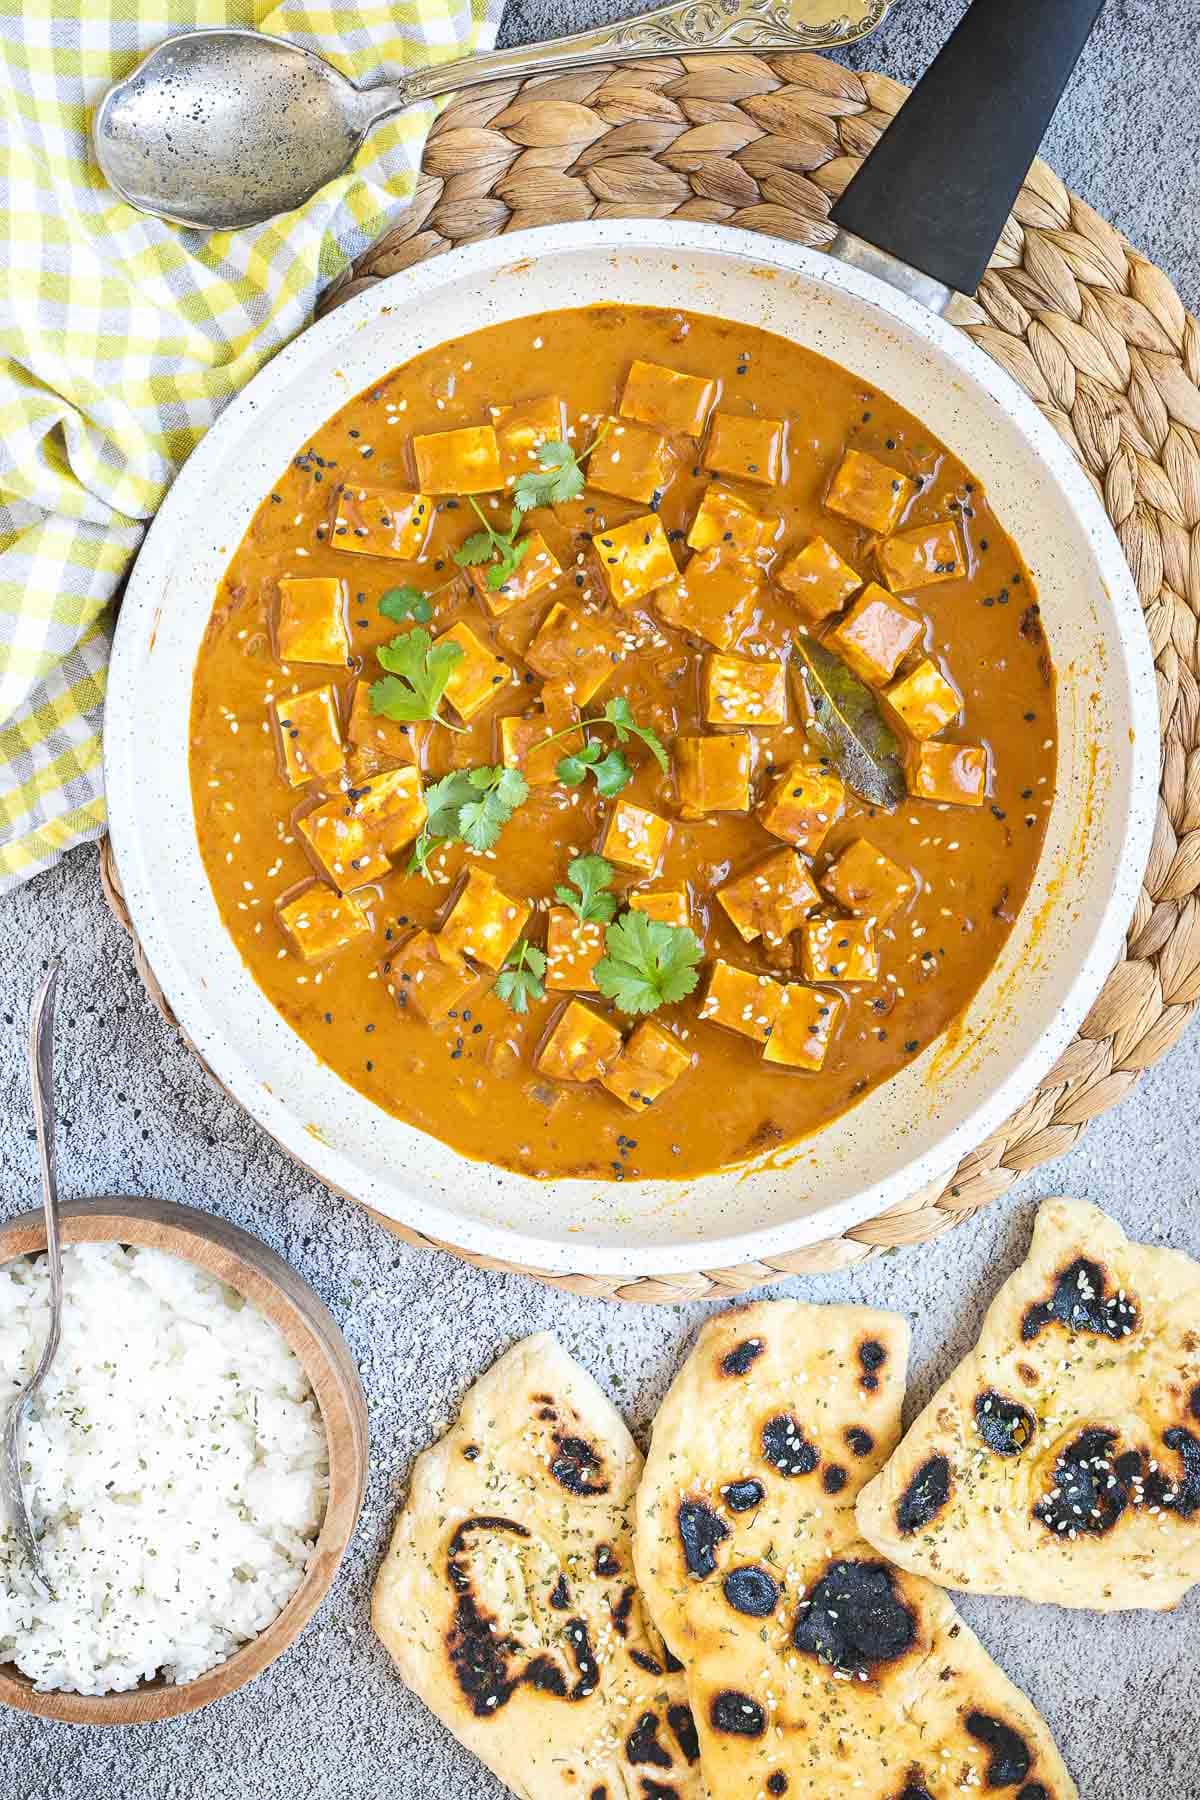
{"type": "Point", "coordinates": [850, 721]}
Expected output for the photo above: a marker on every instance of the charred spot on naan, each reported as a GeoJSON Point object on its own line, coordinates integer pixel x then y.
{"type": "Point", "coordinates": [786, 1448]}
{"type": "Point", "coordinates": [577, 1466]}
{"type": "Point", "coordinates": [1009, 1758]}
{"type": "Point", "coordinates": [1194, 1402]}
{"type": "Point", "coordinates": [470, 1452]}
{"type": "Point", "coordinates": [833, 1478]}
{"type": "Point", "coordinates": [700, 1531]}
{"type": "Point", "coordinates": [560, 1595]}
{"type": "Point", "coordinates": [1081, 1303]}
{"type": "Point", "coordinates": [647, 1664]}
{"type": "Point", "coordinates": [736, 1714]}
{"type": "Point", "coordinates": [752, 1590]}
{"type": "Point", "coordinates": [742, 1357]}
{"type": "Point", "coordinates": [871, 1356]}
{"type": "Point", "coordinates": [484, 1656]}
{"type": "Point", "coordinates": [621, 1609]}
{"type": "Point", "coordinates": [680, 1719]}
{"type": "Point", "coordinates": [605, 1562]}
{"type": "Point", "coordinates": [859, 1441]}
{"type": "Point", "coordinates": [856, 1619]}
{"type": "Point", "coordinates": [1184, 1495]}
{"type": "Point", "coordinates": [777, 1782]}
{"type": "Point", "coordinates": [914, 1787]}
{"type": "Point", "coordinates": [743, 1496]}
{"type": "Point", "coordinates": [1093, 1485]}
{"type": "Point", "coordinates": [925, 1496]}
{"type": "Point", "coordinates": [1005, 1426]}
{"type": "Point", "coordinates": [657, 1790]}
{"type": "Point", "coordinates": [642, 1745]}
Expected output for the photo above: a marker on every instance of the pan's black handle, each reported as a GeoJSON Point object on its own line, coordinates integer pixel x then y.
{"type": "Point", "coordinates": [936, 190]}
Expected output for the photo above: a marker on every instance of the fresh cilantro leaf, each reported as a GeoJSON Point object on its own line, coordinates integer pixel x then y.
{"type": "Point", "coordinates": [573, 769]}
{"type": "Point", "coordinates": [502, 549]}
{"type": "Point", "coordinates": [619, 714]}
{"type": "Point", "coordinates": [402, 603]}
{"type": "Point", "coordinates": [560, 477]}
{"type": "Point", "coordinates": [418, 670]}
{"type": "Point", "coordinates": [612, 774]}
{"type": "Point", "coordinates": [592, 876]}
{"type": "Point", "coordinates": [647, 964]}
{"type": "Point", "coordinates": [470, 806]}
{"type": "Point", "coordinates": [520, 978]}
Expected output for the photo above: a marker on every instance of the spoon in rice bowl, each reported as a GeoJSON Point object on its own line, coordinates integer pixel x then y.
{"type": "Point", "coordinates": [41, 1072]}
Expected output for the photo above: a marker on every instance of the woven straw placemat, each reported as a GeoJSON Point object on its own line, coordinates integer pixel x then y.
{"type": "Point", "coordinates": [1095, 333]}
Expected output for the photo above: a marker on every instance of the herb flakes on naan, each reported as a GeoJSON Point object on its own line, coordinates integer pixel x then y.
{"type": "Point", "coordinates": [1061, 1460]}
{"type": "Point", "coordinates": [507, 1596]}
{"type": "Point", "coordinates": [816, 1669]}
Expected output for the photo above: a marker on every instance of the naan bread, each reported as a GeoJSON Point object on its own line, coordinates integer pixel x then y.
{"type": "Point", "coordinates": [507, 1596]}
{"type": "Point", "coordinates": [815, 1669]}
{"type": "Point", "coordinates": [1061, 1461]}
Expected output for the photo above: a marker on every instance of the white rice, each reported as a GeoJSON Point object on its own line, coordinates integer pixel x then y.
{"type": "Point", "coordinates": [175, 1464]}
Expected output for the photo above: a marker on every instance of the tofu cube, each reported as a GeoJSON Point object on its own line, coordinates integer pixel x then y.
{"type": "Point", "coordinates": [381, 743]}
{"type": "Point", "coordinates": [803, 804]}
{"type": "Point", "coordinates": [537, 569]}
{"type": "Point", "coordinates": [310, 739]}
{"type": "Point", "coordinates": [391, 806]}
{"type": "Point", "coordinates": [478, 677]}
{"type": "Point", "coordinates": [726, 522]}
{"type": "Point", "coordinates": [745, 447]}
{"type": "Point", "coordinates": [484, 923]}
{"type": "Point", "coordinates": [876, 635]}
{"type": "Point", "coordinates": [631, 461]}
{"type": "Point", "coordinates": [818, 580]}
{"type": "Point", "coordinates": [345, 851]}
{"type": "Point", "coordinates": [573, 948]}
{"type": "Point", "coordinates": [915, 559]}
{"type": "Point", "coordinates": [740, 690]}
{"type": "Point", "coordinates": [310, 625]}
{"type": "Point", "coordinates": [668, 905]}
{"type": "Point", "coordinates": [865, 882]}
{"type": "Point", "coordinates": [712, 774]}
{"type": "Point", "coordinates": [923, 700]}
{"type": "Point", "coordinates": [582, 1045]}
{"type": "Point", "coordinates": [635, 838]}
{"type": "Point", "coordinates": [771, 899]}
{"type": "Point", "coordinates": [839, 950]}
{"type": "Point", "coordinates": [869, 492]}
{"type": "Point", "coordinates": [714, 598]}
{"type": "Point", "coordinates": [665, 398]}
{"type": "Point", "coordinates": [954, 774]}
{"type": "Point", "coordinates": [522, 741]}
{"type": "Point", "coordinates": [317, 922]}
{"type": "Point", "coordinates": [522, 429]}
{"type": "Point", "coordinates": [803, 1028]}
{"type": "Point", "coordinates": [651, 1062]}
{"type": "Point", "coordinates": [427, 977]}
{"type": "Point", "coordinates": [636, 558]}
{"type": "Point", "coordinates": [466, 461]}
{"type": "Point", "coordinates": [373, 521]}
{"type": "Point", "coordinates": [575, 651]}
{"type": "Point", "coordinates": [741, 1001]}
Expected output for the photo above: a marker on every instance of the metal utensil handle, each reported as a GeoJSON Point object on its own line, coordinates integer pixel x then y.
{"type": "Point", "coordinates": [694, 25]}
{"type": "Point", "coordinates": [41, 1077]}
{"type": "Point", "coordinates": [936, 190]}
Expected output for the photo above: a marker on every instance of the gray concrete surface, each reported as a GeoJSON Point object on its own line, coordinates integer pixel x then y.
{"type": "Point", "coordinates": [330, 1721]}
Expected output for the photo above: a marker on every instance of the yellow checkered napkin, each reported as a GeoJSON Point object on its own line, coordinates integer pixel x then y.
{"type": "Point", "coordinates": [123, 337]}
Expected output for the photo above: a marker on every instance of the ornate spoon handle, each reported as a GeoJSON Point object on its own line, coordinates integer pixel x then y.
{"type": "Point", "coordinates": [680, 30]}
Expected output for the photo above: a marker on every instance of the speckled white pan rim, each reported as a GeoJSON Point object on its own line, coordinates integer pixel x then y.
{"type": "Point", "coordinates": [1025, 1015]}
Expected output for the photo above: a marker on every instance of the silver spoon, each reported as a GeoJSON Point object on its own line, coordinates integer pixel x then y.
{"type": "Point", "coordinates": [41, 1074]}
{"type": "Point", "coordinates": [224, 128]}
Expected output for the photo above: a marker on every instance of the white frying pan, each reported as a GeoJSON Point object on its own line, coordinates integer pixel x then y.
{"type": "Point", "coordinates": [874, 306]}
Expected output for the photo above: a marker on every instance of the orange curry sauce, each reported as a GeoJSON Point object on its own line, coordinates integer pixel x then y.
{"type": "Point", "coordinates": [528, 1090]}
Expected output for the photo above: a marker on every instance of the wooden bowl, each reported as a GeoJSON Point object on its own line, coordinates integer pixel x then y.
{"type": "Point", "coordinates": [264, 1279]}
